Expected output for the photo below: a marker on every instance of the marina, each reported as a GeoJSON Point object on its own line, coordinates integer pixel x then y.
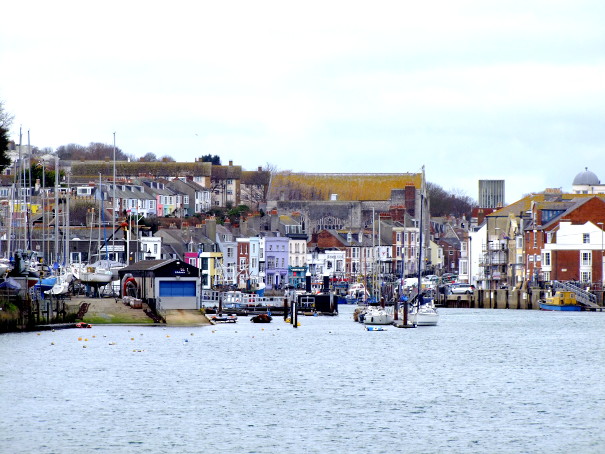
{"type": "Point", "coordinates": [473, 383]}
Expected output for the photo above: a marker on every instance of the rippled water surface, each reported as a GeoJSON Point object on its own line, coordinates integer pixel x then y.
{"type": "Point", "coordinates": [482, 381]}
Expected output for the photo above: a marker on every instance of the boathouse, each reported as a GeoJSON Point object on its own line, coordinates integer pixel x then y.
{"type": "Point", "coordinates": [164, 284]}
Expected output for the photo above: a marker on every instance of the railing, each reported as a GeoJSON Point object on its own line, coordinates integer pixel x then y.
{"type": "Point", "coordinates": [212, 298]}
{"type": "Point", "coordinates": [582, 295]}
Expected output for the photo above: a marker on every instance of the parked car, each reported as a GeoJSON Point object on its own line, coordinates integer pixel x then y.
{"type": "Point", "coordinates": [465, 289]}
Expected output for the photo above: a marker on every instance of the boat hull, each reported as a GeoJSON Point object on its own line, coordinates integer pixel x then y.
{"type": "Point", "coordinates": [427, 319]}
{"type": "Point", "coordinates": [564, 308]}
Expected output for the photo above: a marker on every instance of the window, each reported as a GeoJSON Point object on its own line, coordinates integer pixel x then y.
{"type": "Point", "coordinates": [186, 200]}
{"type": "Point", "coordinates": [586, 276]}
{"type": "Point", "coordinates": [519, 242]}
{"type": "Point", "coordinates": [398, 237]}
{"type": "Point", "coordinates": [463, 267]}
{"type": "Point", "coordinates": [230, 252]}
{"type": "Point", "coordinates": [535, 238]}
{"type": "Point", "coordinates": [546, 261]}
{"type": "Point", "coordinates": [586, 259]}
{"type": "Point", "coordinates": [586, 238]}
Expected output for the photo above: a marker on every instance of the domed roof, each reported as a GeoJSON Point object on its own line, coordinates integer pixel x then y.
{"type": "Point", "coordinates": [586, 178]}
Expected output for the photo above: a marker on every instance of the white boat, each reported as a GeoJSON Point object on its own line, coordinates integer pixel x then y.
{"type": "Point", "coordinates": [93, 274]}
{"type": "Point", "coordinates": [378, 316]}
{"type": "Point", "coordinates": [61, 286]}
{"type": "Point", "coordinates": [424, 315]}
{"type": "Point", "coordinates": [356, 293]}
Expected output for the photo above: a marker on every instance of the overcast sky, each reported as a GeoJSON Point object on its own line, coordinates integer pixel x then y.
{"type": "Point", "coordinates": [473, 90]}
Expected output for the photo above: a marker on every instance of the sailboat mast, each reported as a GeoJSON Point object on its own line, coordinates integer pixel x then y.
{"type": "Point", "coordinates": [102, 225]}
{"type": "Point", "coordinates": [420, 237]}
{"type": "Point", "coordinates": [44, 212]}
{"type": "Point", "coordinates": [66, 258]}
{"type": "Point", "coordinates": [27, 195]}
{"type": "Point", "coordinates": [56, 258]}
{"type": "Point", "coordinates": [113, 203]}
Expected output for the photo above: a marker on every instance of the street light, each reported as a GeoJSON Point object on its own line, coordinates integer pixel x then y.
{"type": "Point", "coordinates": [602, 264]}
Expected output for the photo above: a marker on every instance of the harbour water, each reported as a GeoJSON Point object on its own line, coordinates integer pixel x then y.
{"type": "Point", "coordinates": [497, 381]}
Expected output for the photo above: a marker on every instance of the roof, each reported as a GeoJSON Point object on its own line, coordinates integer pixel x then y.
{"type": "Point", "coordinates": [586, 178]}
{"type": "Point", "coordinates": [347, 186]}
{"type": "Point", "coordinates": [148, 265]}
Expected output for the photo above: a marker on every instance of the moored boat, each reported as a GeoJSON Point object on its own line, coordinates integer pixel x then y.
{"type": "Point", "coordinates": [376, 315]}
{"type": "Point", "coordinates": [261, 318]}
{"type": "Point", "coordinates": [561, 301]}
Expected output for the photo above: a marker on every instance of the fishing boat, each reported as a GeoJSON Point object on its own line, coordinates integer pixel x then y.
{"type": "Point", "coordinates": [561, 301]}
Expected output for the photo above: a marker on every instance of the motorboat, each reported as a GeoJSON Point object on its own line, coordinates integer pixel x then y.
{"type": "Point", "coordinates": [261, 318]}
{"type": "Point", "coordinates": [94, 274]}
{"type": "Point", "coordinates": [376, 315]}
{"type": "Point", "coordinates": [560, 301]}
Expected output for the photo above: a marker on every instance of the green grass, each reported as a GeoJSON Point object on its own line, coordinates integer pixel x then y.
{"type": "Point", "coordinates": [117, 319]}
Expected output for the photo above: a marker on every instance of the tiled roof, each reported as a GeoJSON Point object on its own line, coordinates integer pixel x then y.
{"type": "Point", "coordinates": [348, 186]}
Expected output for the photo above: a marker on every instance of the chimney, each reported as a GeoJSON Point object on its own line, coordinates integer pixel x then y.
{"type": "Point", "coordinates": [260, 169]}
{"type": "Point", "coordinates": [243, 227]}
{"type": "Point", "coordinates": [210, 226]}
{"type": "Point", "coordinates": [230, 163]}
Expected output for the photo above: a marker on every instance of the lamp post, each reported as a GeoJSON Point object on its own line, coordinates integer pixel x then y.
{"type": "Point", "coordinates": [602, 264]}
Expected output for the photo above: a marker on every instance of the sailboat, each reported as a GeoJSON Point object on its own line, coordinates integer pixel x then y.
{"type": "Point", "coordinates": [97, 274]}
{"type": "Point", "coordinates": [423, 311]}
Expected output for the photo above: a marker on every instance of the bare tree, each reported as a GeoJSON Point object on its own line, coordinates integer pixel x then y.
{"type": "Point", "coordinates": [6, 119]}
{"type": "Point", "coordinates": [148, 157]}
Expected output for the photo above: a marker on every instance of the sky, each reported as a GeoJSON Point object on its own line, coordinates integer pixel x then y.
{"type": "Point", "coordinates": [471, 90]}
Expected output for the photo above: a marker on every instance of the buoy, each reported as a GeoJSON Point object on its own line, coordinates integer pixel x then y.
{"type": "Point", "coordinates": [52, 343]}
{"type": "Point", "coordinates": [38, 334]}
{"type": "Point", "coordinates": [132, 338]}
{"type": "Point", "coordinates": [53, 330]}
{"type": "Point", "coordinates": [94, 337]}
{"type": "Point", "coordinates": [167, 335]}
{"type": "Point", "coordinates": [84, 346]}
{"type": "Point", "coordinates": [79, 338]}
{"type": "Point", "coordinates": [85, 339]}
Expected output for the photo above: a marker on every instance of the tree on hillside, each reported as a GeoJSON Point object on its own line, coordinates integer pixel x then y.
{"type": "Point", "coordinates": [167, 158]}
{"type": "Point", "coordinates": [47, 178]}
{"type": "Point", "coordinates": [444, 203]}
{"type": "Point", "coordinates": [148, 157]}
{"type": "Point", "coordinates": [6, 120]}
{"type": "Point", "coordinates": [215, 160]}
{"type": "Point", "coordinates": [95, 151]}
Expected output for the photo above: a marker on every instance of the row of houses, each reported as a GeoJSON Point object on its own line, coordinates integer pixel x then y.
{"type": "Point", "coordinates": [539, 239]}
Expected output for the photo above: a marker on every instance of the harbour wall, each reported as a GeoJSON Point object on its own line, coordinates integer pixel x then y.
{"type": "Point", "coordinates": [499, 299]}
